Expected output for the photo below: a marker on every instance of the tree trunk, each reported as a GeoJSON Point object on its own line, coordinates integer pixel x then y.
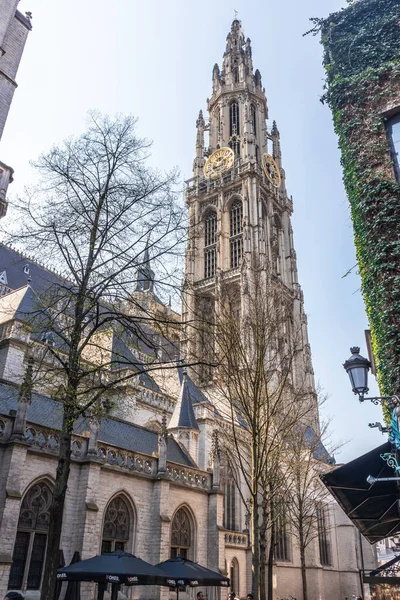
{"type": "Point", "coordinates": [303, 562]}
{"type": "Point", "coordinates": [255, 554]}
{"type": "Point", "coordinates": [56, 513]}
{"type": "Point", "coordinates": [263, 555]}
{"type": "Point", "coordinates": [270, 589]}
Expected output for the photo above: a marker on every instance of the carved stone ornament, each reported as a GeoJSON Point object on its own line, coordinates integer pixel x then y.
{"type": "Point", "coordinates": [271, 170]}
{"type": "Point", "coordinates": [220, 161]}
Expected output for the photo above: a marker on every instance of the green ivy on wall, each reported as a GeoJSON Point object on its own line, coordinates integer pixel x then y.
{"type": "Point", "coordinates": [362, 61]}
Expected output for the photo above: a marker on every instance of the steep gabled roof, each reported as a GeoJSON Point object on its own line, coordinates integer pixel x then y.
{"type": "Point", "coordinates": [183, 415]}
{"type": "Point", "coordinates": [197, 396]}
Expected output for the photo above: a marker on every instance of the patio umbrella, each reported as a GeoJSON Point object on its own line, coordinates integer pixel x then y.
{"type": "Point", "coordinates": [74, 587]}
{"type": "Point", "coordinates": [116, 568]}
{"type": "Point", "coordinates": [181, 572]}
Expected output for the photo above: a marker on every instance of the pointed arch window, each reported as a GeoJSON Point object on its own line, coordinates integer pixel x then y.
{"type": "Point", "coordinates": [117, 526]}
{"type": "Point", "coordinates": [234, 576]}
{"type": "Point", "coordinates": [234, 127]}
{"type": "Point", "coordinates": [323, 536]}
{"type": "Point", "coordinates": [281, 534]}
{"type": "Point", "coordinates": [236, 233]}
{"type": "Point", "coordinates": [230, 521]}
{"type": "Point", "coordinates": [181, 535]}
{"type": "Point", "coordinates": [31, 540]}
{"type": "Point", "coordinates": [210, 244]}
{"type": "Point", "coordinates": [253, 116]}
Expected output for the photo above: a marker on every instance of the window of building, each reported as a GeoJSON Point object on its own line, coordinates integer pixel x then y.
{"type": "Point", "coordinates": [234, 576]}
{"type": "Point", "coordinates": [234, 123]}
{"type": "Point", "coordinates": [234, 128]}
{"type": "Point", "coordinates": [31, 541]}
{"type": "Point", "coordinates": [323, 538]}
{"type": "Point", "coordinates": [281, 550]}
{"type": "Point", "coordinates": [393, 129]}
{"type": "Point", "coordinates": [236, 237]}
{"type": "Point", "coordinates": [230, 504]}
{"type": "Point", "coordinates": [181, 535]}
{"type": "Point", "coordinates": [116, 528]}
{"type": "Point", "coordinates": [235, 71]}
{"type": "Point", "coordinates": [210, 239]}
{"type": "Point", "coordinates": [253, 118]}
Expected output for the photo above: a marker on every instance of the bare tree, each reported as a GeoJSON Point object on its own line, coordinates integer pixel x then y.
{"type": "Point", "coordinates": [261, 400]}
{"type": "Point", "coordinates": [95, 215]}
{"type": "Point", "coordinates": [305, 458]}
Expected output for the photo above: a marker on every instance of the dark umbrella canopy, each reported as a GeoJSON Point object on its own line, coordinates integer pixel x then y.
{"type": "Point", "coordinates": [182, 572]}
{"type": "Point", "coordinates": [115, 567]}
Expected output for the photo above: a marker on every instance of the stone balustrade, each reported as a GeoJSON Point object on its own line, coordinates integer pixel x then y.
{"type": "Point", "coordinates": [188, 476]}
{"type": "Point", "coordinates": [201, 186]}
{"type": "Point", "coordinates": [48, 440]}
{"type": "Point", "coordinates": [236, 539]}
{"type": "Point", "coordinates": [130, 461]}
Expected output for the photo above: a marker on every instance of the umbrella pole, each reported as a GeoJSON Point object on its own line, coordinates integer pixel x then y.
{"type": "Point", "coordinates": [177, 593]}
{"type": "Point", "coordinates": [100, 591]}
{"type": "Point", "coordinates": [114, 591]}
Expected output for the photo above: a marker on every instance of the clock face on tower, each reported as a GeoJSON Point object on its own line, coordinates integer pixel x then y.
{"type": "Point", "coordinates": [220, 161]}
{"type": "Point", "coordinates": [271, 170]}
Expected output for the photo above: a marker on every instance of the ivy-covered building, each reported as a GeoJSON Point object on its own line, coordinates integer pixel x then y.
{"type": "Point", "coordinates": [362, 61]}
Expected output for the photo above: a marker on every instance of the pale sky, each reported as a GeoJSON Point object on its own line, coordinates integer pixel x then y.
{"type": "Point", "coordinates": [154, 59]}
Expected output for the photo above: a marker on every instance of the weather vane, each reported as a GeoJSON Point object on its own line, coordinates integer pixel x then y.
{"type": "Point", "coordinates": [235, 15]}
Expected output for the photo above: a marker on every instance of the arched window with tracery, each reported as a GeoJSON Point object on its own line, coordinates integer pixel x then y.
{"type": "Point", "coordinates": [31, 541]}
{"type": "Point", "coordinates": [117, 526]}
{"type": "Point", "coordinates": [210, 244]}
{"type": "Point", "coordinates": [234, 128]}
{"type": "Point", "coordinates": [236, 233]}
{"type": "Point", "coordinates": [181, 535]}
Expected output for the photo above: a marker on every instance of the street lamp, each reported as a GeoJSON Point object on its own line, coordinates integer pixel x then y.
{"type": "Point", "coordinates": [357, 368]}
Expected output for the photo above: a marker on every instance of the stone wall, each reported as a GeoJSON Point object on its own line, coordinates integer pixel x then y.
{"type": "Point", "coordinates": [13, 45]}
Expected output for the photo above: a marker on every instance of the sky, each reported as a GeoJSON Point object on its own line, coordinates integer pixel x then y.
{"type": "Point", "coordinates": [154, 60]}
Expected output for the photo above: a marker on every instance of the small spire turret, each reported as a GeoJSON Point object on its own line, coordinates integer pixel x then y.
{"type": "Point", "coordinates": [145, 274]}
{"type": "Point", "coordinates": [198, 163]}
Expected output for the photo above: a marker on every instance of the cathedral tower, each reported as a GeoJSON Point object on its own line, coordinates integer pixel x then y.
{"type": "Point", "coordinates": [14, 29]}
{"type": "Point", "coordinates": [238, 204]}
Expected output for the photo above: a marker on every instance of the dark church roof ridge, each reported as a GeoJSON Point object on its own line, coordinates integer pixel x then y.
{"type": "Point", "coordinates": [183, 416]}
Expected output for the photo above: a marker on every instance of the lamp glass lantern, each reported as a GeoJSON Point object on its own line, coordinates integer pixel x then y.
{"type": "Point", "coordinates": [357, 368]}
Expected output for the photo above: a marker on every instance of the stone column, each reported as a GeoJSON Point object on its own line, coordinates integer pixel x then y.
{"type": "Point", "coordinates": [10, 501]}
{"type": "Point", "coordinates": [24, 400]}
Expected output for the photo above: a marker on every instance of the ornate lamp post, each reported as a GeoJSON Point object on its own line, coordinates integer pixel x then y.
{"type": "Point", "coordinates": [357, 368]}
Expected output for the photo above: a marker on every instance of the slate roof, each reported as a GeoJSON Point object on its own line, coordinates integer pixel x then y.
{"type": "Point", "coordinates": [319, 452]}
{"type": "Point", "coordinates": [123, 357]}
{"type": "Point", "coordinates": [46, 412]}
{"type": "Point", "coordinates": [183, 415]}
{"type": "Point", "coordinates": [196, 395]}
{"type": "Point", "coordinates": [14, 264]}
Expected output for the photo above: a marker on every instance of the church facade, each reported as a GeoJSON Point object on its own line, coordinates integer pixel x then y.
{"type": "Point", "coordinates": [148, 479]}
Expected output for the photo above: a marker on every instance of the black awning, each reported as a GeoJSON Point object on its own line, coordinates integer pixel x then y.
{"type": "Point", "coordinates": [374, 509]}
